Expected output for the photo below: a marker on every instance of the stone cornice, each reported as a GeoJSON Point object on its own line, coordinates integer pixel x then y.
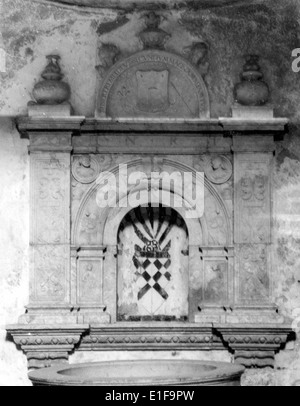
{"type": "Point", "coordinates": [25, 125]}
{"type": "Point", "coordinates": [131, 336]}
{"type": "Point", "coordinates": [128, 5]}
{"type": "Point", "coordinates": [252, 345]}
{"type": "Point", "coordinates": [222, 126]}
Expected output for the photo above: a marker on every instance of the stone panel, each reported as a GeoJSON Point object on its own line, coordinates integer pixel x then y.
{"type": "Point", "coordinates": [51, 274]}
{"type": "Point", "coordinates": [253, 265]}
{"type": "Point", "coordinates": [252, 198]}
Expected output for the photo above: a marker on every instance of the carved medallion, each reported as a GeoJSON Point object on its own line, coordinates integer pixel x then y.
{"type": "Point", "coordinates": [218, 169]}
{"type": "Point", "coordinates": [153, 84]}
{"type": "Point", "coordinates": [85, 169]}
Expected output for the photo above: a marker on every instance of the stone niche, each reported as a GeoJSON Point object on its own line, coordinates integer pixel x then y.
{"type": "Point", "coordinates": [144, 276]}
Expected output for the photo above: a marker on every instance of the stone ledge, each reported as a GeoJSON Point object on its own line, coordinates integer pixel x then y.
{"type": "Point", "coordinates": [252, 345]}
{"type": "Point", "coordinates": [133, 337]}
{"type": "Point", "coordinates": [222, 126]}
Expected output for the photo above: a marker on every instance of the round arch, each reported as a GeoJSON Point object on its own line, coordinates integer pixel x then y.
{"type": "Point", "coordinates": [107, 219]}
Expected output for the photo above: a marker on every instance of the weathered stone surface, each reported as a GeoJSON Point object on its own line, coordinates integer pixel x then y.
{"type": "Point", "coordinates": [28, 33]}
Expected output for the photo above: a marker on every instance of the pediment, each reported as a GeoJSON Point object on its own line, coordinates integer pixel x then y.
{"type": "Point", "coordinates": [153, 84]}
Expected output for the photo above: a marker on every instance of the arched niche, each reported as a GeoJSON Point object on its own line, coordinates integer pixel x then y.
{"type": "Point", "coordinates": [152, 263]}
{"type": "Point", "coordinates": [153, 84]}
{"type": "Point", "coordinates": [97, 227]}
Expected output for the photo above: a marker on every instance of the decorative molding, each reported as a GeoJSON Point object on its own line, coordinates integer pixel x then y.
{"type": "Point", "coordinates": [132, 336]}
{"type": "Point", "coordinates": [252, 345]}
{"type": "Point", "coordinates": [87, 127]}
{"type": "Point", "coordinates": [46, 345]}
{"type": "Point", "coordinates": [255, 346]}
{"type": "Point", "coordinates": [93, 6]}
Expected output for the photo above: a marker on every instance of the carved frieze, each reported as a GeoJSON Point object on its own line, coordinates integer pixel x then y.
{"type": "Point", "coordinates": [165, 337]}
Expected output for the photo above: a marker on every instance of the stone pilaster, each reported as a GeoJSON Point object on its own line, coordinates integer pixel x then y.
{"type": "Point", "coordinates": [253, 161]}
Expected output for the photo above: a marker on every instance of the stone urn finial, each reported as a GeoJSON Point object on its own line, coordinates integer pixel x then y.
{"type": "Point", "coordinates": [51, 90]}
{"type": "Point", "coordinates": [252, 90]}
{"type": "Point", "coordinates": [152, 36]}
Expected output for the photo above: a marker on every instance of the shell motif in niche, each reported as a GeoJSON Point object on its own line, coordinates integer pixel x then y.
{"type": "Point", "coordinates": [85, 169]}
{"type": "Point", "coordinates": [218, 169]}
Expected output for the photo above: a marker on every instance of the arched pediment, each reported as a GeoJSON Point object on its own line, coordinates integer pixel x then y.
{"type": "Point", "coordinates": [153, 84]}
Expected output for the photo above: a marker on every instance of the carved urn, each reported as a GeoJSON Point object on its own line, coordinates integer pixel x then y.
{"type": "Point", "coordinates": [252, 90]}
{"type": "Point", "coordinates": [153, 37]}
{"type": "Point", "coordinates": [51, 90]}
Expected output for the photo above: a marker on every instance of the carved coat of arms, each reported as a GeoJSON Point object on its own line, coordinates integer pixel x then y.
{"type": "Point", "coordinates": [152, 90]}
